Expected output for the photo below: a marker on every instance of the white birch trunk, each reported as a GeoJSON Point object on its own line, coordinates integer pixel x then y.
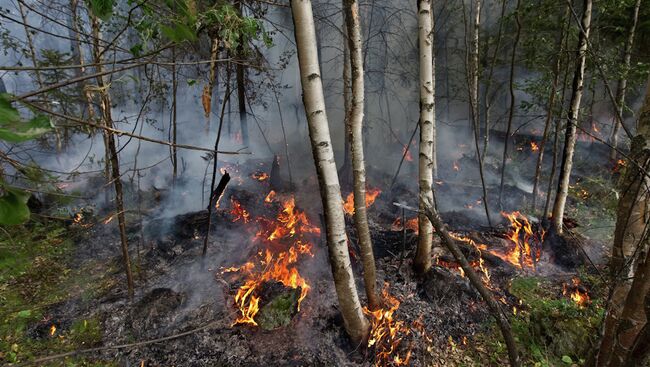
{"type": "Point", "coordinates": [355, 322]}
{"type": "Point", "coordinates": [422, 261]}
{"type": "Point", "coordinates": [351, 8]}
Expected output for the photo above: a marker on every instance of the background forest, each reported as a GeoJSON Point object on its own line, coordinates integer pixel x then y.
{"type": "Point", "coordinates": [248, 182]}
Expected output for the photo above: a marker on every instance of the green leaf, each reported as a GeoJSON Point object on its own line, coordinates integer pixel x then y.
{"type": "Point", "coordinates": [178, 33]}
{"type": "Point", "coordinates": [13, 129]}
{"type": "Point", "coordinates": [191, 82]}
{"type": "Point", "coordinates": [13, 207]}
{"type": "Point", "coordinates": [102, 9]}
{"type": "Point", "coordinates": [567, 360]}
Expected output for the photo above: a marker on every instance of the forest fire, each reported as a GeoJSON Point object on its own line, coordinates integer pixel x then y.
{"type": "Point", "coordinates": [270, 197]}
{"type": "Point", "coordinates": [411, 224]}
{"type": "Point", "coordinates": [287, 230]}
{"type": "Point", "coordinates": [261, 176]}
{"type": "Point", "coordinates": [576, 292]}
{"type": "Point", "coordinates": [533, 146]}
{"type": "Point", "coordinates": [527, 251]}
{"type": "Point", "coordinates": [238, 212]}
{"type": "Point", "coordinates": [371, 196]}
{"type": "Point", "coordinates": [52, 330]}
{"type": "Point", "coordinates": [387, 333]}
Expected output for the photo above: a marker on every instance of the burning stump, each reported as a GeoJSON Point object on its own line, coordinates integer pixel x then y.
{"type": "Point", "coordinates": [280, 304]}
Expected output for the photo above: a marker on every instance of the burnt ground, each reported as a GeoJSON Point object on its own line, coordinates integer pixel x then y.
{"type": "Point", "coordinates": [183, 309]}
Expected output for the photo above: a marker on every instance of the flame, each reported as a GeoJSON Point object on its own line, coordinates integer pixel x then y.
{"type": "Point", "coordinates": [533, 146]}
{"type": "Point", "coordinates": [411, 224]}
{"type": "Point", "coordinates": [371, 196]}
{"type": "Point", "coordinates": [260, 176]}
{"type": "Point", "coordinates": [270, 197]}
{"type": "Point", "coordinates": [480, 264]}
{"type": "Point", "coordinates": [289, 228]}
{"type": "Point", "coordinates": [406, 152]}
{"type": "Point", "coordinates": [109, 219]}
{"type": "Point", "coordinates": [619, 165]}
{"type": "Point", "coordinates": [576, 295]}
{"type": "Point", "coordinates": [522, 254]}
{"type": "Point", "coordinates": [52, 330]}
{"type": "Point", "coordinates": [387, 333]}
{"type": "Point", "coordinates": [238, 212]}
{"type": "Point", "coordinates": [78, 217]}
{"type": "Point", "coordinates": [456, 167]}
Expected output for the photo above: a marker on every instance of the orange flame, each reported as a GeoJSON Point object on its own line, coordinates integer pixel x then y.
{"type": "Point", "coordinates": [52, 330]}
{"type": "Point", "coordinates": [371, 196]}
{"type": "Point", "coordinates": [411, 224]}
{"type": "Point", "coordinates": [270, 197]}
{"type": "Point", "coordinates": [386, 333]}
{"type": "Point", "coordinates": [533, 146]}
{"type": "Point", "coordinates": [522, 254]}
{"type": "Point", "coordinates": [289, 228]}
{"type": "Point", "coordinates": [261, 176]}
{"type": "Point", "coordinates": [578, 297]}
{"type": "Point", "coordinates": [238, 212]}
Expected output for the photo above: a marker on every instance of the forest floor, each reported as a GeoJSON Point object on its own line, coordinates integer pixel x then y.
{"type": "Point", "coordinates": [62, 290]}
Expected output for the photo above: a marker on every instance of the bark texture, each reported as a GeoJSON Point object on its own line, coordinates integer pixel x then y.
{"type": "Point", "coordinates": [422, 262]}
{"type": "Point", "coordinates": [630, 263]}
{"type": "Point", "coordinates": [353, 25]}
{"type": "Point", "coordinates": [355, 323]}
{"type": "Point", "coordinates": [572, 120]}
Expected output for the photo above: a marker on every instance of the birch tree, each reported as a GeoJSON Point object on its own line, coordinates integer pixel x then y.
{"type": "Point", "coordinates": [422, 261]}
{"type": "Point", "coordinates": [355, 323]}
{"type": "Point", "coordinates": [351, 8]}
{"type": "Point", "coordinates": [572, 120]}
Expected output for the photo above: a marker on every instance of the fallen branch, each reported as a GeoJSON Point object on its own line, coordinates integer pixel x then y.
{"type": "Point", "coordinates": [476, 281]}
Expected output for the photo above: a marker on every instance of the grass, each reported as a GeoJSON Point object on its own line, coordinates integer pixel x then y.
{"type": "Point", "coordinates": [35, 274]}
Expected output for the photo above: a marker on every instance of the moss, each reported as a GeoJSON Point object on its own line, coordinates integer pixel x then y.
{"type": "Point", "coordinates": [279, 311]}
{"type": "Point", "coordinates": [35, 275]}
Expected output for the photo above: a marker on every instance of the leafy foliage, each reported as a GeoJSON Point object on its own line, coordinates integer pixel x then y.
{"type": "Point", "coordinates": [14, 129]}
{"type": "Point", "coordinates": [102, 9]}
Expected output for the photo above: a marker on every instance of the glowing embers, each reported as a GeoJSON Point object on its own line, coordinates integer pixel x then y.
{"type": "Point", "coordinates": [260, 176]}
{"type": "Point", "coordinates": [283, 240]}
{"type": "Point", "coordinates": [238, 212]}
{"type": "Point", "coordinates": [527, 242]}
{"type": "Point", "coordinates": [533, 146]}
{"type": "Point", "coordinates": [576, 292]}
{"type": "Point", "coordinates": [371, 196]}
{"type": "Point", "coordinates": [387, 333]}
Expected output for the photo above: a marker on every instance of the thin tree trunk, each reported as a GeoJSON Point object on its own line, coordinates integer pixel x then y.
{"type": "Point", "coordinates": [473, 70]}
{"type": "Point", "coordinates": [488, 82]}
{"type": "Point", "coordinates": [353, 25]}
{"type": "Point", "coordinates": [511, 111]}
{"type": "Point", "coordinates": [30, 45]}
{"type": "Point", "coordinates": [502, 321]}
{"type": "Point", "coordinates": [174, 117]}
{"type": "Point", "coordinates": [422, 261]}
{"type": "Point", "coordinates": [621, 86]}
{"type": "Point", "coordinates": [572, 120]}
{"type": "Point", "coordinates": [355, 323]}
{"type": "Point", "coordinates": [212, 76]}
{"type": "Point", "coordinates": [111, 152]}
{"type": "Point", "coordinates": [630, 237]}
{"type": "Point", "coordinates": [550, 107]}
{"type": "Point", "coordinates": [345, 171]}
{"type": "Point", "coordinates": [81, 70]}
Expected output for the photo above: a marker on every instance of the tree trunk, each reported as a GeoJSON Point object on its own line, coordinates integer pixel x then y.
{"type": "Point", "coordinates": [212, 76]}
{"type": "Point", "coordinates": [111, 152]}
{"type": "Point", "coordinates": [511, 111]}
{"type": "Point", "coordinates": [174, 117]}
{"type": "Point", "coordinates": [354, 321]}
{"type": "Point", "coordinates": [345, 170]}
{"type": "Point", "coordinates": [630, 242]}
{"type": "Point", "coordinates": [422, 261]}
{"type": "Point", "coordinates": [550, 106]}
{"type": "Point", "coordinates": [488, 82]}
{"type": "Point", "coordinates": [353, 25]}
{"type": "Point", "coordinates": [621, 86]}
{"type": "Point", "coordinates": [488, 297]}
{"type": "Point", "coordinates": [30, 44]}
{"type": "Point", "coordinates": [572, 120]}
{"type": "Point", "coordinates": [241, 99]}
